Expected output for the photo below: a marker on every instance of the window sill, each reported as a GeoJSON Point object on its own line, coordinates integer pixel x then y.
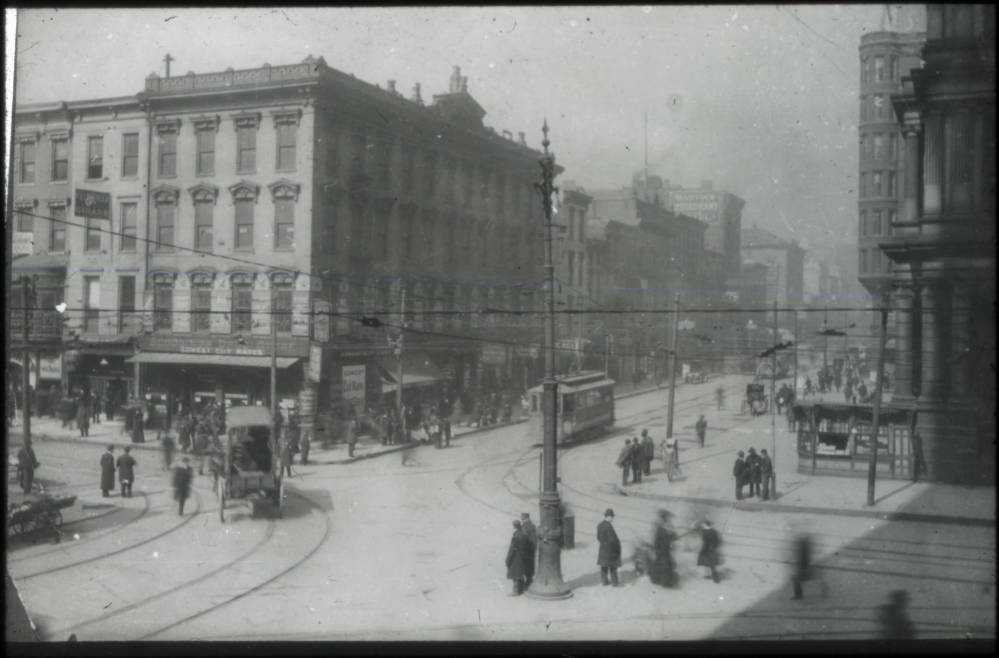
{"type": "Point", "coordinates": [243, 250]}
{"type": "Point", "coordinates": [246, 171]}
{"type": "Point", "coordinates": [286, 171]}
{"type": "Point", "coordinates": [99, 179]}
{"type": "Point", "coordinates": [284, 249]}
{"type": "Point", "coordinates": [130, 177]}
{"type": "Point", "coordinates": [204, 174]}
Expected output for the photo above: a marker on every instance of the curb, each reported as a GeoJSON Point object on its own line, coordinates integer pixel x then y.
{"type": "Point", "coordinates": [806, 509]}
{"type": "Point", "coordinates": [146, 445]}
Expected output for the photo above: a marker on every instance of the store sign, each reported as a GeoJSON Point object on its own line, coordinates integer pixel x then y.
{"type": "Point", "coordinates": [321, 320]}
{"type": "Point", "coordinates": [50, 367]}
{"type": "Point", "coordinates": [92, 204]}
{"type": "Point", "coordinates": [315, 363]}
{"type": "Point", "coordinates": [24, 243]}
{"type": "Point", "coordinates": [353, 382]}
{"type": "Point", "coordinates": [251, 346]}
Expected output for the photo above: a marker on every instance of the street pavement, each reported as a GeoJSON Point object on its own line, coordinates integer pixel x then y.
{"type": "Point", "coordinates": [382, 550]}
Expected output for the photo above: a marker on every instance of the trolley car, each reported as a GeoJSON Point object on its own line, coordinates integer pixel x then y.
{"type": "Point", "coordinates": [585, 403]}
{"type": "Point", "coordinates": [251, 469]}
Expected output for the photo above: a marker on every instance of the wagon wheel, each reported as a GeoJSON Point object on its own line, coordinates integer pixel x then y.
{"type": "Point", "coordinates": [221, 492]}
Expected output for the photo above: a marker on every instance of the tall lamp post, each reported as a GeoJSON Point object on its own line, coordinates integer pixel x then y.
{"type": "Point", "coordinates": [548, 582]}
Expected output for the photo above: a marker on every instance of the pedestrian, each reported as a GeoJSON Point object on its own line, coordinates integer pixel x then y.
{"type": "Point", "coordinates": [184, 432]}
{"type": "Point", "coordinates": [803, 570]}
{"type": "Point", "coordinates": [167, 452]}
{"type": "Point", "coordinates": [753, 472]}
{"type": "Point", "coordinates": [108, 406]}
{"type": "Point", "coordinates": [609, 554]}
{"type": "Point", "coordinates": [624, 461]}
{"type": "Point", "coordinates": [895, 623]}
{"type": "Point", "coordinates": [636, 461]}
{"type": "Point", "coordinates": [27, 462]}
{"type": "Point", "coordinates": [766, 473]}
{"type": "Point", "coordinates": [351, 437]}
{"type": "Point", "coordinates": [287, 456]}
{"type": "Point", "coordinates": [517, 558]}
{"type": "Point", "coordinates": [701, 426]}
{"type": "Point", "coordinates": [446, 428]}
{"type": "Point", "coordinates": [648, 452]}
{"type": "Point", "coordinates": [83, 417]}
{"type": "Point", "coordinates": [126, 472]}
{"type": "Point", "coordinates": [305, 443]}
{"type": "Point", "coordinates": [107, 471]}
{"type": "Point", "coordinates": [720, 397]}
{"type": "Point", "coordinates": [739, 471]}
{"type": "Point", "coordinates": [531, 533]}
{"type": "Point", "coordinates": [663, 570]}
{"type": "Point", "coordinates": [182, 477]}
{"type": "Point", "coordinates": [709, 556]}
{"type": "Point", "coordinates": [95, 408]}
{"type": "Point", "coordinates": [918, 459]}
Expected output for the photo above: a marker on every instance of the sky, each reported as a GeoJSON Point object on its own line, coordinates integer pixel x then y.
{"type": "Point", "coordinates": [760, 99]}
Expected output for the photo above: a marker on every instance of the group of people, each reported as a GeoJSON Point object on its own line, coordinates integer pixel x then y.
{"type": "Point", "coordinates": [636, 457]}
{"type": "Point", "coordinates": [756, 470]}
{"type": "Point", "coordinates": [125, 465]}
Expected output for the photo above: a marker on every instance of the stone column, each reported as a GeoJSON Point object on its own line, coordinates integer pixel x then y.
{"type": "Point", "coordinates": [904, 364]}
{"type": "Point", "coordinates": [932, 175]}
{"type": "Point", "coordinates": [932, 350]}
{"type": "Point", "coordinates": [910, 204]}
{"type": "Point", "coordinates": [960, 317]}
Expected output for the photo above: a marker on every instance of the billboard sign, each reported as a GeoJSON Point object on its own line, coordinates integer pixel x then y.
{"type": "Point", "coordinates": [353, 383]}
{"type": "Point", "coordinates": [315, 362]}
{"type": "Point", "coordinates": [89, 203]}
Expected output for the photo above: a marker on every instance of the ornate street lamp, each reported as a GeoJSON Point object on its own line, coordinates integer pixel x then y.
{"type": "Point", "coordinates": [547, 582]}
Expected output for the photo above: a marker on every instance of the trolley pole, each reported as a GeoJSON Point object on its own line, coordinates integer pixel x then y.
{"type": "Point", "coordinates": [548, 582]}
{"type": "Point", "coordinates": [672, 367]}
{"type": "Point", "coordinates": [398, 352]}
{"type": "Point", "coordinates": [872, 468]}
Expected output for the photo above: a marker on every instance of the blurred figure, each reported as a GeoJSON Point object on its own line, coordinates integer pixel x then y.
{"type": "Point", "coordinates": [754, 472]}
{"type": "Point", "coordinates": [167, 452]}
{"type": "Point", "coordinates": [27, 462]}
{"type": "Point", "coordinates": [709, 555]}
{"type": "Point", "coordinates": [802, 565]}
{"type": "Point", "coordinates": [182, 476]}
{"type": "Point", "coordinates": [637, 458]}
{"type": "Point", "coordinates": [895, 623]}
{"type": "Point", "coordinates": [517, 559]}
{"type": "Point", "coordinates": [701, 426]}
{"type": "Point", "coordinates": [648, 452]}
{"type": "Point", "coordinates": [766, 473]}
{"type": "Point", "coordinates": [720, 396]}
{"type": "Point", "coordinates": [739, 472]}
{"type": "Point", "coordinates": [531, 533]}
{"type": "Point", "coordinates": [107, 471]}
{"type": "Point", "coordinates": [609, 554]}
{"type": "Point", "coordinates": [624, 461]}
{"type": "Point", "coordinates": [663, 571]}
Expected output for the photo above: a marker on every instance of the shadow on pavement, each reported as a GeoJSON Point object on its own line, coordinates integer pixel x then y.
{"type": "Point", "coordinates": [294, 505]}
{"type": "Point", "coordinates": [592, 579]}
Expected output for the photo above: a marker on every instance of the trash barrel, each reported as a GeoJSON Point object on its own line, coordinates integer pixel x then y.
{"type": "Point", "coordinates": [569, 531]}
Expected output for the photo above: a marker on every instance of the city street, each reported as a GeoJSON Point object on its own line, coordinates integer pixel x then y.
{"type": "Point", "coordinates": [380, 549]}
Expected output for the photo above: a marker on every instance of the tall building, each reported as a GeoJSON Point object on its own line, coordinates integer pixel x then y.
{"type": "Point", "coordinates": [785, 262]}
{"type": "Point", "coordinates": [943, 247]}
{"type": "Point", "coordinates": [720, 210]}
{"type": "Point", "coordinates": [287, 205]}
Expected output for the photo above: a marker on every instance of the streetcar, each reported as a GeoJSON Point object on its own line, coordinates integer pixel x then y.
{"type": "Point", "coordinates": [250, 468]}
{"type": "Point", "coordinates": [585, 403]}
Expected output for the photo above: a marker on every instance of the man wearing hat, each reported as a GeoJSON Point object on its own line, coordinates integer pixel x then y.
{"type": "Point", "coordinates": [517, 557]}
{"type": "Point", "coordinates": [739, 471]}
{"type": "Point", "coordinates": [766, 472]}
{"type": "Point", "coordinates": [636, 461]}
{"type": "Point", "coordinates": [609, 556]}
{"type": "Point", "coordinates": [624, 461]}
{"type": "Point", "coordinates": [532, 536]}
{"type": "Point", "coordinates": [753, 472]}
{"type": "Point", "coordinates": [648, 452]}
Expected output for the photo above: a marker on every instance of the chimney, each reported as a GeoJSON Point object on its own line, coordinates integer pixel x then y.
{"type": "Point", "coordinates": [391, 86]}
{"type": "Point", "coordinates": [416, 94]}
{"type": "Point", "coordinates": [455, 85]}
{"type": "Point", "coordinates": [523, 142]}
{"type": "Point", "coordinates": [464, 84]}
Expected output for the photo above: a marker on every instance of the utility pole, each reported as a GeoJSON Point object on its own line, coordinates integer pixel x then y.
{"type": "Point", "coordinates": [275, 439]}
{"type": "Point", "coordinates": [672, 368]}
{"type": "Point", "coordinates": [607, 355]}
{"type": "Point", "coordinates": [773, 403]}
{"type": "Point", "coordinates": [796, 339]}
{"type": "Point", "coordinates": [548, 582]}
{"type": "Point", "coordinates": [872, 468]}
{"type": "Point", "coordinates": [25, 379]}
{"type": "Point", "coordinates": [398, 374]}
{"type": "Point", "coordinates": [825, 340]}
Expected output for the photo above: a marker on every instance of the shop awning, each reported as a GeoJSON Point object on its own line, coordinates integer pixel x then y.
{"type": "Point", "coordinates": [240, 360]}
{"type": "Point", "coordinates": [407, 381]}
{"type": "Point", "coordinates": [417, 371]}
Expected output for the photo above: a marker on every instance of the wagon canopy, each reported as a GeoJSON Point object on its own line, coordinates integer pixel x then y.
{"type": "Point", "coordinates": [248, 417]}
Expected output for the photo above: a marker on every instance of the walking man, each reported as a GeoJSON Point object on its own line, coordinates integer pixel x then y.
{"type": "Point", "coordinates": [517, 557]}
{"type": "Point", "coordinates": [739, 471]}
{"type": "Point", "coordinates": [26, 465]}
{"type": "Point", "coordinates": [624, 461]}
{"type": "Point", "coordinates": [766, 472]}
{"type": "Point", "coordinates": [648, 451]}
{"type": "Point", "coordinates": [126, 472]}
{"type": "Point", "coordinates": [702, 427]}
{"type": "Point", "coordinates": [720, 397]}
{"type": "Point", "coordinates": [182, 476]}
{"type": "Point", "coordinates": [532, 536]}
{"type": "Point", "coordinates": [351, 437]}
{"type": "Point", "coordinates": [167, 452]}
{"type": "Point", "coordinates": [609, 555]}
{"type": "Point", "coordinates": [636, 461]}
{"type": "Point", "coordinates": [663, 570]}
{"type": "Point", "coordinates": [287, 455]}
{"type": "Point", "coordinates": [83, 416]}
{"type": "Point", "coordinates": [107, 471]}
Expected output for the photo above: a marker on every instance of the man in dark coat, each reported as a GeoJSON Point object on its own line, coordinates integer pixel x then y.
{"type": "Point", "coordinates": [26, 465]}
{"type": "Point", "coordinates": [609, 555]}
{"type": "Point", "coordinates": [532, 536]}
{"type": "Point", "coordinates": [702, 427]}
{"type": "Point", "coordinates": [753, 471]}
{"type": "Point", "coordinates": [518, 559]}
{"type": "Point", "coordinates": [624, 461]}
{"type": "Point", "coordinates": [766, 472]}
{"type": "Point", "coordinates": [739, 471]}
{"type": "Point", "coordinates": [636, 461]}
{"type": "Point", "coordinates": [648, 452]}
{"type": "Point", "coordinates": [168, 449]}
{"type": "Point", "coordinates": [83, 416]}
{"type": "Point", "coordinates": [107, 471]}
{"type": "Point", "coordinates": [709, 556]}
{"type": "Point", "coordinates": [664, 568]}
{"type": "Point", "coordinates": [182, 484]}
{"type": "Point", "coordinates": [126, 472]}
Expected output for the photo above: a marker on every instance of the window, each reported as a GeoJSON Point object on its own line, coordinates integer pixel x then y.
{"type": "Point", "coordinates": [281, 294]}
{"type": "Point", "coordinates": [168, 153]}
{"type": "Point", "coordinates": [57, 238]}
{"type": "Point", "coordinates": [205, 166]}
{"type": "Point", "coordinates": [95, 157]}
{"type": "Point", "coordinates": [165, 217]}
{"type": "Point", "coordinates": [92, 239]}
{"type": "Point", "coordinates": [201, 303]}
{"type": "Point", "coordinates": [25, 220]}
{"type": "Point", "coordinates": [60, 159]}
{"type": "Point", "coordinates": [863, 223]}
{"type": "Point", "coordinates": [287, 132]}
{"type": "Point", "coordinates": [162, 305]}
{"type": "Point", "coordinates": [284, 223]}
{"type": "Point", "coordinates": [244, 223]}
{"type": "Point", "coordinates": [863, 185]}
{"type": "Point", "coordinates": [408, 228]}
{"type": "Point", "coordinates": [958, 161]}
{"type": "Point", "coordinates": [127, 321]}
{"type": "Point", "coordinates": [27, 172]}
{"type": "Point", "coordinates": [246, 147]}
{"type": "Point", "coordinates": [893, 146]}
{"type": "Point", "coordinates": [876, 217]}
{"type": "Point", "coordinates": [879, 68]}
{"type": "Point", "coordinates": [876, 183]}
{"type": "Point", "coordinates": [890, 184]}
{"type": "Point", "coordinates": [91, 304]}
{"type": "Point", "coordinates": [879, 146]}
{"type": "Point", "coordinates": [203, 225]}
{"type": "Point", "coordinates": [407, 170]}
{"type": "Point", "coordinates": [892, 218]}
{"type": "Point", "coordinates": [129, 155]}
{"type": "Point", "coordinates": [128, 225]}
{"type": "Point", "coordinates": [242, 304]}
